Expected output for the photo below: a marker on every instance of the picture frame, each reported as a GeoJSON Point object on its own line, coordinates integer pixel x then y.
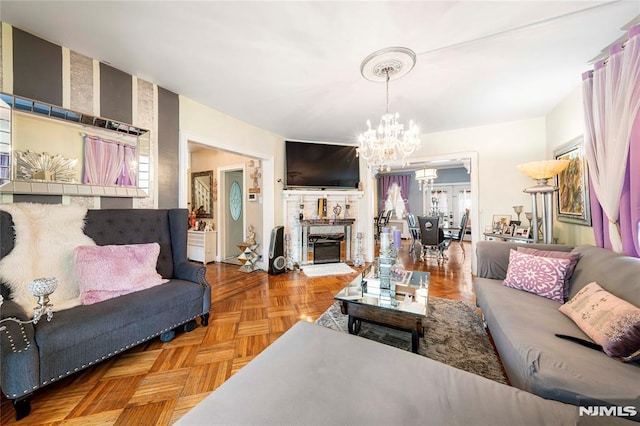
{"type": "Point", "coordinates": [521, 231]}
{"type": "Point", "coordinates": [499, 221]}
{"type": "Point", "coordinates": [508, 230]}
{"type": "Point", "coordinates": [515, 222]}
{"type": "Point", "coordinates": [572, 197]}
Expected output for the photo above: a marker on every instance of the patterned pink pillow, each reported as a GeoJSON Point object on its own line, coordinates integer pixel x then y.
{"type": "Point", "coordinates": [573, 257]}
{"type": "Point", "coordinates": [611, 322]}
{"type": "Point", "coordinates": [543, 276]}
{"type": "Point", "coordinates": [105, 272]}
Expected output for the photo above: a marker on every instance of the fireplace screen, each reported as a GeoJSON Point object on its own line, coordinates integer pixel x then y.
{"type": "Point", "coordinates": [326, 251]}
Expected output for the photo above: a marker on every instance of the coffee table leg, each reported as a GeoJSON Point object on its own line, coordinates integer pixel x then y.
{"type": "Point", "coordinates": [414, 341]}
{"type": "Point", "coordinates": [354, 325]}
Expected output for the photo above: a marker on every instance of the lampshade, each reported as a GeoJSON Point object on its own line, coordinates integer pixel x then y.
{"type": "Point", "coordinates": [543, 169]}
{"type": "Point", "coordinates": [426, 174]}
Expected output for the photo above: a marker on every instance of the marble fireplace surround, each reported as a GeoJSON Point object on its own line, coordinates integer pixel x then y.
{"type": "Point", "coordinates": [298, 231]}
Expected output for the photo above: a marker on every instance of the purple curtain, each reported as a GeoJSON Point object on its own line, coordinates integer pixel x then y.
{"type": "Point", "coordinates": [103, 160]}
{"type": "Point", "coordinates": [128, 177]}
{"type": "Point", "coordinates": [108, 162]}
{"type": "Point", "coordinates": [629, 203]}
{"type": "Point", "coordinates": [385, 182]}
{"type": "Point", "coordinates": [404, 181]}
{"type": "Point", "coordinates": [629, 215]}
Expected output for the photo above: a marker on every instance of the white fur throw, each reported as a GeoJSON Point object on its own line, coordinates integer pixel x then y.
{"type": "Point", "coordinates": [46, 236]}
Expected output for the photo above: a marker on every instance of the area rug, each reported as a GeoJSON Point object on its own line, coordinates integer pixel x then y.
{"type": "Point", "coordinates": [453, 335]}
{"type": "Point", "coordinates": [325, 269]}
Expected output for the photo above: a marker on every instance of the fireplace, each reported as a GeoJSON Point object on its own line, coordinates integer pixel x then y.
{"type": "Point", "coordinates": [326, 248]}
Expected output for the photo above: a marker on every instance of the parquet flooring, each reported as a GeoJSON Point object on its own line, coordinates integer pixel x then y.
{"type": "Point", "coordinates": [156, 383]}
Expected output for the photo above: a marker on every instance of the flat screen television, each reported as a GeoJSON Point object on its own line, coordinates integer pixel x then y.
{"type": "Point", "coordinates": [321, 165]}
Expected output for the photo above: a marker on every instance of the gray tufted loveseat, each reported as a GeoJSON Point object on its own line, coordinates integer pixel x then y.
{"type": "Point", "coordinates": [82, 336]}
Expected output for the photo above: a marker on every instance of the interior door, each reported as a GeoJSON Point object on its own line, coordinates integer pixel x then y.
{"type": "Point", "coordinates": [233, 213]}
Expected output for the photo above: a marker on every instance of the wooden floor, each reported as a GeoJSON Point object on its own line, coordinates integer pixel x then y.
{"type": "Point", "coordinates": [156, 383]}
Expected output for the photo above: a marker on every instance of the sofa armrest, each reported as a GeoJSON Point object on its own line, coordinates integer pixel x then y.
{"type": "Point", "coordinates": [192, 272]}
{"type": "Point", "coordinates": [19, 355]}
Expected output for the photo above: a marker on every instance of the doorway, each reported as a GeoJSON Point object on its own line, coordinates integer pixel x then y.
{"type": "Point", "coordinates": [232, 212]}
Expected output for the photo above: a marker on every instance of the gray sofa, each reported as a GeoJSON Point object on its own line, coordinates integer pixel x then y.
{"type": "Point", "coordinates": [316, 376]}
{"type": "Point", "coordinates": [82, 336]}
{"type": "Point", "coordinates": [523, 326]}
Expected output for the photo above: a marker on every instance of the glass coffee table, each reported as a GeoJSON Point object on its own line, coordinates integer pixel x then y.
{"type": "Point", "coordinates": [405, 310]}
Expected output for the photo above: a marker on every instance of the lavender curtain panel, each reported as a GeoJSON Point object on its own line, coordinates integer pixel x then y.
{"type": "Point", "coordinates": [612, 137]}
{"type": "Point", "coordinates": [103, 161]}
{"type": "Point", "coordinates": [404, 181]}
{"type": "Point", "coordinates": [385, 182]}
{"type": "Point", "coordinates": [128, 177]}
{"type": "Point", "coordinates": [108, 162]}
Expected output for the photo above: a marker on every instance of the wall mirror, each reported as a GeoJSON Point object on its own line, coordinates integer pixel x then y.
{"type": "Point", "coordinates": [202, 193]}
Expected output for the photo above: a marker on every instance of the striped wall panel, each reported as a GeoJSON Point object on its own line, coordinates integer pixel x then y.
{"type": "Point", "coordinates": [37, 68]}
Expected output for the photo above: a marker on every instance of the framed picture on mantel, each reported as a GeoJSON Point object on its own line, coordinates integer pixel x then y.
{"type": "Point", "coordinates": [572, 197]}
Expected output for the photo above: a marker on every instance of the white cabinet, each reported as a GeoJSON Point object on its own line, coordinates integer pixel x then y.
{"type": "Point", "coordinates": [201, 246]}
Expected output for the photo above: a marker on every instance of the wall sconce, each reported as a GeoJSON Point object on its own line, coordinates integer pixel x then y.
{"type": "Point", "coordinates": [42, 289]}
{"type": "Point", "coordinates": [542, 171]}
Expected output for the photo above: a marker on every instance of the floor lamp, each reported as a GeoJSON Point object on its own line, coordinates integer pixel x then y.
{"type": "Point", "coordinates": [542, 171]}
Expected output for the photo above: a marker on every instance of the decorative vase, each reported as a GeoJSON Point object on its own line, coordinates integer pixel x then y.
{"type": "Point", "coordinates": [337, 210]}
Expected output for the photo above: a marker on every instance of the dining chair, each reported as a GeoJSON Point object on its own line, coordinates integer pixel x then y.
{"type": "Point", "coordinates": [414, 231]}
{"type": "Point", "coordinates": [431, 237]}
{"type": "Point", "coordinates": [458, 236]}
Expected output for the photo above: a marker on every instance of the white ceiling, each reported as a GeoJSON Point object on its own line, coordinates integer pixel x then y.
{"type": "Point", "coordinates": [293, 68]}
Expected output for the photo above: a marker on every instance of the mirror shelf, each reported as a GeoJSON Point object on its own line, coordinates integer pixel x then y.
{"type": "Point", "coordinates": [30, 128]}
{"type": "Point", "coordinates": [59, 188]}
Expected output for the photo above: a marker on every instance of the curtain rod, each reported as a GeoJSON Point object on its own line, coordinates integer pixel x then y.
{"type": "Point", "coordinates": [115, 137]}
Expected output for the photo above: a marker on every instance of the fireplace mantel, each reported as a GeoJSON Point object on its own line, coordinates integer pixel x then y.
{"type": "Point", "coordinates": [327, 222]}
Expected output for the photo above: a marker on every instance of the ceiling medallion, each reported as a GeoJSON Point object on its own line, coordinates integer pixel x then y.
{"type": "Point", "coordinates": [390, 142]}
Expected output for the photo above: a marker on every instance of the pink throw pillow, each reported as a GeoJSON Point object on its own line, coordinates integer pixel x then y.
{"type": "Point", "coordinates": [573, 257]}
{"type": "Point", "coordinates": [105, 272]}
{"type": "Point", "coordinates": [543, 276]}
{"type": "Point", "coordinates": [611, 322]}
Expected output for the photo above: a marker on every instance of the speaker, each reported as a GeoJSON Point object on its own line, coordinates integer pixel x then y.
{"type": "Point", "coordinates": [277, 262]}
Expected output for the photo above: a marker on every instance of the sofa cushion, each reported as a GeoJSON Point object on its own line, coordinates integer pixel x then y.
{"type": "Point", "coordinates": [493, 256]}
{"type": "Point", "coordinates": [544, 276]}
{"type": "Point", "coordinates": [352, 386]}
{"type": "Point", "coordinates": [109, 271]}
{"type": "Point", "coordinates": [573, 257]}
{"type": "Point", "coordinates": [523, 325]}
{"type": "Point", "coordinates": [88, 334]}
{"type": "Point", "coordinates": [114, 226]}
{"type": "Point", "coordinates": [614, 272]}
{"type": "Point", "coordinates": [610, 321]}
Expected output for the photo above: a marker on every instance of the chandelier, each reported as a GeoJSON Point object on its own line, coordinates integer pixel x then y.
{"type": "Point", "coordinates": [425, 178]}
{"type": "Point", "coordinates": [390, 142]}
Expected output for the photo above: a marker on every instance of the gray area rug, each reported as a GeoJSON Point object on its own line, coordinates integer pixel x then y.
{"type": "Point", "coordinates": [454, 335]}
